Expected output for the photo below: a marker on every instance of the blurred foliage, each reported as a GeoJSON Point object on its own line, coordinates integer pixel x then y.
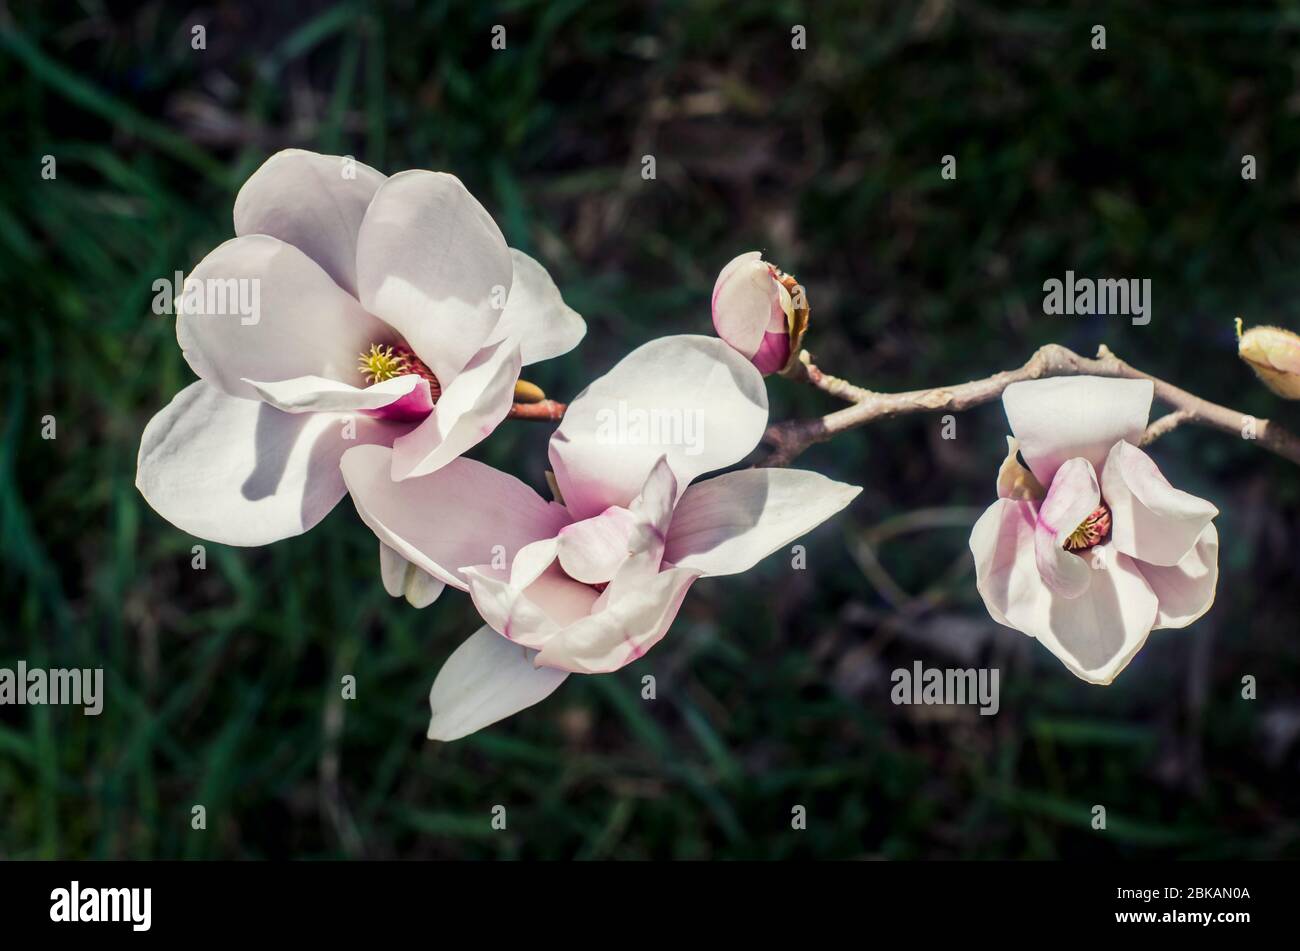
{"type": "Point", "coordinates": [773, 687]}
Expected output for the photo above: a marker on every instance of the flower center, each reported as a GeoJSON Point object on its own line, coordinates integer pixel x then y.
{"type": "Point", "coordinates": [1091, 531]}
{"type": "Point", "coordinates": [383, 362]}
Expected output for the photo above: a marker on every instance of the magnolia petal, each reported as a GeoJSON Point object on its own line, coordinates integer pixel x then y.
{"type": "Point", "coordinates": [1073, 496]}
{"type": "Point", "coordinates": [240, 472]}
{"type": "Point", "coordinates": [747, 304]}
{"type": "Point", "coordinates": [1186, 590]}
{"type": "Point", "coordinates": [314, 202]}
{"type": "Point", "coordinates": [464, 514]}
{"type": "Point", "coordinates": [1152, 521]}
{"type": "Point", "coordinates": [404, 580]}
{"type": "Point", "coordinates": [692, 399]}
{"type": "Point", "coordinates": [1096, 634]}
{"type": "Point", "coordinates": [591, 550]}
{"type": "Point", "coordinates": [1064, 417]}
{"type": "Point", "coordinates": [314, 394]}
{"type": "Point", "coordinates": [486, 679]}
{"type": "Point", "coordinates": [432, 263]}
{"type": "Point", "coordinates": [536, 316]}
{"type": "Point", "coordinates": [727, 524]}
{"type": "Point", "coordinates": [302, 323]}
{"type": "Point", "coordinates": [634, 614]}
{"type": "Point", "coordinates": [1014, 480]}
{"type": "Point", "coordinates": [470, 408]}
{"type": "Point", "coordinates": [533, 614]}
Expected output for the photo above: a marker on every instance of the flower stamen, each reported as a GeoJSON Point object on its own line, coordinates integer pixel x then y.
{"type": "Point", "coordinates": [1091, 531]}
{"type": "Point", "coordinates": [383, 362]}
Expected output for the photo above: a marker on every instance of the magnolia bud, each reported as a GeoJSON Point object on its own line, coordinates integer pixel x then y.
{"type": "Point", "coordinates": [1274, 355]}
{"type": "Point", "coordinates": [761, 312]}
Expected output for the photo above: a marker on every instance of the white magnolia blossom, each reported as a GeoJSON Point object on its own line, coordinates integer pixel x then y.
{"type": "Point", "coordinates": [1090, 548]}
{"type": "Point", "coordinates": [591, 582]}
{"type": "Point", "coordinates": [390, 312]}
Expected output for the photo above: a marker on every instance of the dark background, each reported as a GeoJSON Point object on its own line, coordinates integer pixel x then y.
{"type": "Point", "coordinates": [773, 687]}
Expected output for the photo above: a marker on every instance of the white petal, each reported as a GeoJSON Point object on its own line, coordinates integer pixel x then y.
{"type": "Point", "coordinates": [432, 262]}
{"type": "Point", "coordinates": [633, 614]}
{"type": "Point", "coordinates": [1072, 497]}
{"type": "Point", "coordinates": [403, 579]}
{"type": "Point", "coordinates": [314, 394]}
{"type": "Point", "coordinates": [1152, 521]}
{"type": "Point", "coordinates": [1064, 417]}
{"type": "Point", "coordinates": [727, 524]}
{"type": "Point", "coordinates": [692, 399]}
{"type": "Point", "coordinates": [240, 472]}
{"type": "Point", "coordinates": [464, 514]}
{"type": "Point", "coordinates": [746, 303]}
{"type": "Point", "coordinates": [314, 202]}
{"type": "Point", "coordinates": [486, 679]}
{"type": "Point", "coordinates": [257, 308]}
{"type": "Point", "coordinates": [1186, 590]}
{"type": "Point", "coordinates": [536, 316]}
{"type": "Point", "coordinates": [470, 408]}
{"type": "Point", "coordinates": [529, 614]}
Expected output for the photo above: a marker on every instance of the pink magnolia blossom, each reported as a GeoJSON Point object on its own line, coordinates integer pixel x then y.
{"type": "Point", "coordinates": [592, 582]}
{"type": "Point", "coordinates": [1090, 548]}
{"type": "Point", "coordinates": [754, 312]}
{"type": "Point", "coordinates": [391, 312]}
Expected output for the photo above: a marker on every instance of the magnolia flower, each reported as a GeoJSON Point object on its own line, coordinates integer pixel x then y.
{"type": "Point", "coordinates": [591, 582]}
{"type": "Point", "coordinates": [390, 312]}
{"type": "Point", "coordinates": [1274, 355]}
{"type": "Point", "coordinates": [1089, 548]}
{"type": "Point", "coordinates": [760, 311]}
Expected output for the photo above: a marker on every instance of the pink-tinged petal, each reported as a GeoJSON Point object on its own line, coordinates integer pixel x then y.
{"type": "Point", "coordinates": [1186, 590]}
{"type": "Point", "coordinates": [1073, 496]}
{"type": "Point", "coordinates": [747, 308]}
{"type": "Point", "coordinates": [1006, 575]}
{"type": "Point", "coordinates": [314, 202]}
{"type": "Point", "coordinates": [239, 472]}
{"type": "Point", "coordinates": [773, 353]}
{"type": "Point", "coordinates": [466, 513]}
{"type": "Point", "coordinates": [432, 262]}
{"type": "Point", "coordinates": [530, 614]}
{"type": "Point", "coordinates": [486, 679]}
{"type": "Point", "coordinates": [281, 318]}
{"type": "Point", "coordinates": [692, 399]}
{"type": "Point", "coordinates": [536, 316]}
{"type": "Point", "coordinates": [1096, 634]}
{"type": "Point", "coordinates": [1152, 521]}
{"type": "Point", "coordinates": [591, 550]}
{"type": "Point", "coordinates": [315, 394]}
{"type": "Point", "coordinates": [633, 614]}
{"type": "Point", "coordinates": [470, 408]}
{"type": "Point", "coordinates": [1065, 417]}
{"type": "Point", "coordinates": [1014, 480]}
{"type": "Point", "coordinates": [729, 523]}
{"type": "Point", "coordinates": [404, 580]}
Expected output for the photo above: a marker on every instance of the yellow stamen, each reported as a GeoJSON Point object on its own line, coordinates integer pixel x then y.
{"type": "Point", "coordinates": [380, 364]}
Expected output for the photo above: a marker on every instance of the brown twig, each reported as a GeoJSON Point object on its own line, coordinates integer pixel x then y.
{"type": "Point", "coordinates": [545, 410]}
{"type": "Point", "coordinates": [789, 439]}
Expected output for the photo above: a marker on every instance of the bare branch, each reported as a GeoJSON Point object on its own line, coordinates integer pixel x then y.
{"type": "Point", "coordinates": [789, 439]}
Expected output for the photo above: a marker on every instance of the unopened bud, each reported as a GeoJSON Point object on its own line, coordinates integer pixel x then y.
{"type": "Point", "coordinates": [760, 311]}
{"type": "Point", "coordinates": [1274, 355]}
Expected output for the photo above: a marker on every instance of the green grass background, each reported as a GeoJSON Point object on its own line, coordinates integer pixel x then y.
{"type": "Point", "coordinates": [773, 687]}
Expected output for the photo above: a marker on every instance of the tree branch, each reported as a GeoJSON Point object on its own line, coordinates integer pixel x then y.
{"type": "Point", "coordinates": [789, 439]}
{"type": "Point", "coordinates": [545, 410]}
